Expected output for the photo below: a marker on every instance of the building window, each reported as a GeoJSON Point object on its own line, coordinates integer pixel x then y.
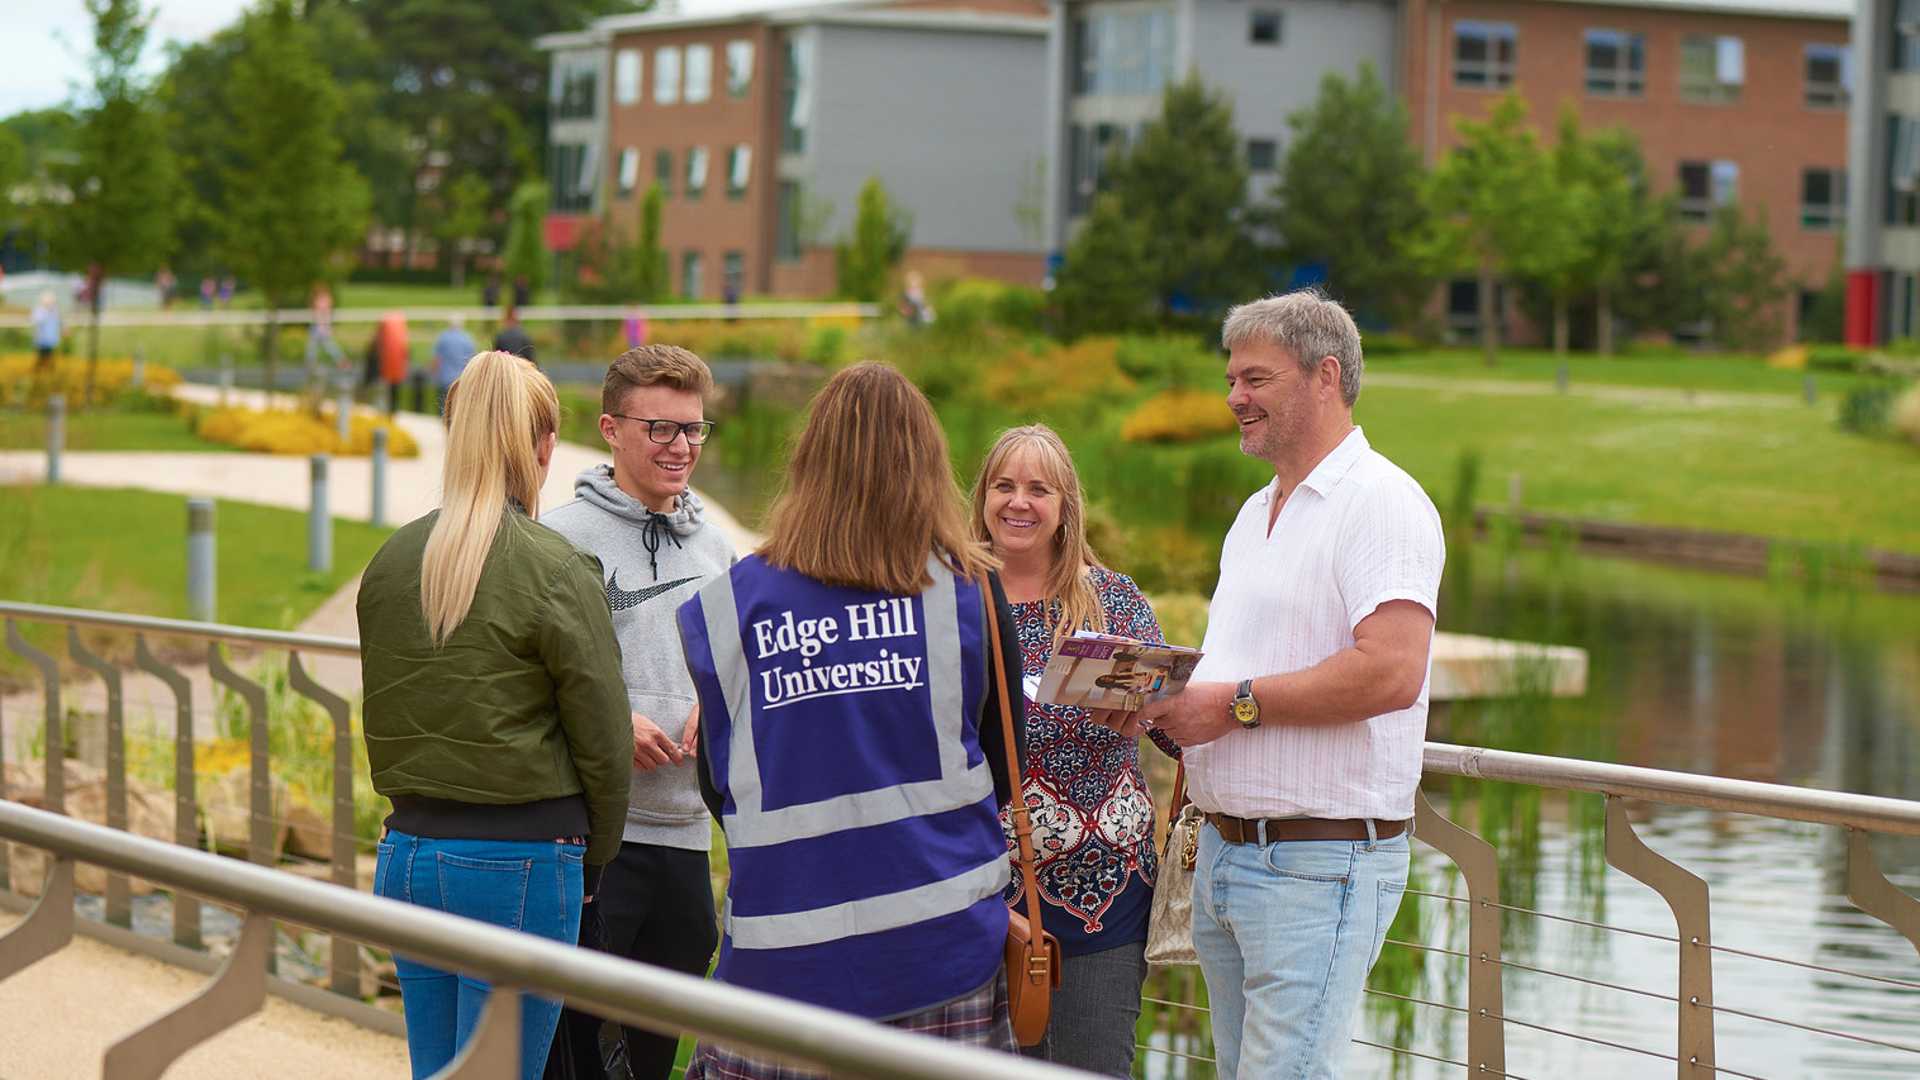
{"type": "Point", "coordinates": [1088, 148]}
{"type": "Point", "coordinates": [666, 75]}
{"type": "Point", "coordinates": [1126, 52]}
{"type": "Point", "coordinates": [1827, 76]}
{"type": "Point", "coordinates": [1483, 54]}
{"type": "Point", "coordinates": [699, 73]}
{"type": "Point", "coordinates": [696, 172]}
{"type": "Point", "coordinates": [739, 169]}
{"type": "Point", "coordinates": [1616, 63]}
{"type": "Point", "coordinates": [1905, 38]}
{"type": "Point", "coordinates": [570, 170]}
{"type": "Point", "coordinates": [739, 68]}
{"type": "Point", "coordinates": [796, 92]}
{"type": "Point", "coordinates": [1263, 27]}
{"type": "Point", "coordinates": [690, 275]}
{"type": "Point", "coordinates": [575, 85]}
{"type": "Point", "coordinates": [626, 77]}
{"type": "Point", "coordinates": [786, 241]}
{"type": "Point", "coordinates": [629, 171]}
{"type": "Point", "coordinates": [1712, 69]}
{"type": "Point", "coordinates": [1705, 186]}
{"type": "Point", "coordinates": [733, 275]}
{"type": "Point", "coordinates": [663, 171]}
{"type": "Point", "coordinates": [1823, 198]}
{"type": "Point", "coordinates": [1263, 155]}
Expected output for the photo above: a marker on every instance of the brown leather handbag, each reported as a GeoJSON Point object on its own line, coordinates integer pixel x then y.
{"type": "Point", "coordinates": [1033, 955]}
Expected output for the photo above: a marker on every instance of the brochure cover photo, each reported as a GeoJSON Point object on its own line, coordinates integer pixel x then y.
{"type": "Point", "coordinates": [1098, 671]}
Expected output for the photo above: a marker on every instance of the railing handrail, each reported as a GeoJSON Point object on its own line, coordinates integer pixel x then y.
{"type": "Point", "coordinates": [636, 994]}
{"type": "Point", "coordinates": [1669, 786]}
{"type": "Point", "coordinates": [1900, 816]}
{"type": "Point", "coordinates": [154, 624]}
{"type": "Point", "coordinates": [474, 313]}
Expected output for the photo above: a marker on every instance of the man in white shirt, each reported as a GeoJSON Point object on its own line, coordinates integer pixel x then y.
{"type": "Point", "coordinates": [1305, 722]}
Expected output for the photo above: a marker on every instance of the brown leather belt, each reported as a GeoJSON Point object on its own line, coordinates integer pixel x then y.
{"type": "Point", "coordinates": [1247, 831]}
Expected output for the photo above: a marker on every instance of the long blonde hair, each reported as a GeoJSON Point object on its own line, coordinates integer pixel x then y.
{"type": "Point", "coordinates": [1069, 581]}
{"type": "Point", "coordinates": [869, 493]}
{"type": "Point", "coordinates": [498, 412]}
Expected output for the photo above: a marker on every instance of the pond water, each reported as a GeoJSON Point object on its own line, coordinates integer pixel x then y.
{"type": "Point", "coordinates": [1761, 680]}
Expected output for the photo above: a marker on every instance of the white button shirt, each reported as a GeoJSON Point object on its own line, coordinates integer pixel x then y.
{"type": "Point", "coordinates": [1357, 533]}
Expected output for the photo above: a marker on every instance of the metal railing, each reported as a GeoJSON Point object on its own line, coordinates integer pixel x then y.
{"type": "Point", "coordinates": [1484, 1010]}
{"type": "Point", "coordinates": [544, 313]}
{"type": "Point", "coordinates": [512, 963]}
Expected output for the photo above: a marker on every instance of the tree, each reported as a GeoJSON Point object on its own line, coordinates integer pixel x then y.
{"type": "Point", "coordinates": [864, 262]}
{"type": "Point", "coordinates": [466, 215]}
{"type": "Point", "coordinates": [1102, 287]}
{"type": "Point", "coordinates": [1495, 209]}
{"type": "Point", "coordinates": [526, 251]}
{"type": "Point", "coordinates": [13, 171]}
{"type": "Point", "coordinates": [1742, 280]}
{"type": "Point", "coordinates": [650, 281]}
{"type": "Point", "coordinates": [121, 180]}
{"type": "Point", "coordinates": [1349, 195]}
{"type": "Point", "coordinates": [292, 204]}
{"type": "Point", "coordinates": [1184, 184]}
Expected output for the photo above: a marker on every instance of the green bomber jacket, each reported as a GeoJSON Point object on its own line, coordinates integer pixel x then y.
{"type": "Point", "coordinates": [523, 702]}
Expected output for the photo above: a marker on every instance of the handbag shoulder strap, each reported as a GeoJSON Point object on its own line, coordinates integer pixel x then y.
{"type": "Point", "coordinates": [1179, 801]}
{"type": "Point", "coordinates": [1022, 824]}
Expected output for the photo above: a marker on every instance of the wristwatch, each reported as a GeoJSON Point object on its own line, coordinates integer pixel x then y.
{"type": "Point", "coordinates": [1246, 708]}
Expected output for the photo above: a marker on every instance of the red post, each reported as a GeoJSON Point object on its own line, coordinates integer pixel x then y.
{"type": "Point", "coordinates": [1863, 308]}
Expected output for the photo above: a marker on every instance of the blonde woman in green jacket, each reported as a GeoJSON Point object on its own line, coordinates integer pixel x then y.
{"type": "Point", "coordinates": [495, 713]}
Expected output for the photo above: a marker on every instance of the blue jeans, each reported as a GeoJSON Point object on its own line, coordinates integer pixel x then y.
{"type": "Point", "coordinates": [529, 885]}
{"type": "Point", "coordinates": [1286, 934]}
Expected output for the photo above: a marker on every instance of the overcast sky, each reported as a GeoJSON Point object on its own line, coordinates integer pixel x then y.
{"type": "Point", "coordinates": [44, 43]}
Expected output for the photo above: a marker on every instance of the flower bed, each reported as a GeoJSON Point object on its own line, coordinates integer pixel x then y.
{"type": "Point", "coordinates": [288, 431]}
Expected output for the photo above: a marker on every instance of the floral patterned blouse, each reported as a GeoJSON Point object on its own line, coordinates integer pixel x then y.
{"type": "Point", "coordinates": [1092, 813]}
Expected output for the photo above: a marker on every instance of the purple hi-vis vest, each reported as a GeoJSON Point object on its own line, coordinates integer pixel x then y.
{"type": "Point", "coordinates": [841, 730]}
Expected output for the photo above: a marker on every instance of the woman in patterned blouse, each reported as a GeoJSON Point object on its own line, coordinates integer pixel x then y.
{"type": "Point", "coordinates": [1092, 813]}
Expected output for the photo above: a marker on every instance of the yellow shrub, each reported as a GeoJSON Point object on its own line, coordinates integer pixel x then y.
{"type": "Point", "coordinates": [1906, 414]}
{"type": "Point", "coordinates": [1179, 416]}
{"type": "Point", "coordinates": [1791, 358]}
{"type": "Point", "coordinates": [1056, 376]}
{"type": "Point", "coordinates": [285, 431]}
{"type": "Point", "coordinates": [19, 386]}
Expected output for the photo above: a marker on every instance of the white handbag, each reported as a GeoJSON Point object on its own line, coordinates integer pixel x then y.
{"type": "Point", "coordinates": [1170, 927]}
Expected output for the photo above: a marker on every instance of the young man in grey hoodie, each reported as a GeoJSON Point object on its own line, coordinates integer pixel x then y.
{"type": "Point", "coordinates": [647, 528]}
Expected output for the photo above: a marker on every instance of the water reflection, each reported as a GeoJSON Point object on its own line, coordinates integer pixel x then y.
{"type": "Point", "coordinates": [1754, 679]}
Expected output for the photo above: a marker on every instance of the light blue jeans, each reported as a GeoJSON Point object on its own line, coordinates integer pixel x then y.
{"type": "Point", "coordinates": [1286, 934]}
{"type": "Point", "coordinates": [528, 885]}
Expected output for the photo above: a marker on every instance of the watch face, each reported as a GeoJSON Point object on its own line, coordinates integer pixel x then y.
{"type": "Point", "coordinates": [1247, 712]}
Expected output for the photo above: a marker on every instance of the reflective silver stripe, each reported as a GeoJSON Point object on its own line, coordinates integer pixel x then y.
{"type": "Point", "coordinates": [871, 915]}
{"type": "Point", "coordinates": [957, 786]}
{"type": "Point", "coordinates": [730, 670]}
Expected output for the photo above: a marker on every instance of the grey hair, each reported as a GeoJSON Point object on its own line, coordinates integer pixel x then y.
{"type": "Point", "coordinates": [1306, 323]}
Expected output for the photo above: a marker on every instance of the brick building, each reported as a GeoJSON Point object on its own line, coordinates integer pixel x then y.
{"type": "Point", "coordinates": [1883, 239]}
{"type": "Point", "coordinates": [761, 126]}
{"type": "Point", "coordinates": [1731, 99]}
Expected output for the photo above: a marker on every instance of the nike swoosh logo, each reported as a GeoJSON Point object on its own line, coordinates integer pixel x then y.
{"type": "Point", "coordinates": [620, 599]}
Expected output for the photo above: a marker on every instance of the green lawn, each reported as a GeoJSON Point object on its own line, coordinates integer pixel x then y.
{"type": "Point", "coordinates": [1676, 370]}
{"type": "Point", "coordinates": [125, 550]}
{"type": "Point", "coordinates": [103, 429]}
{"type": "Point", "coordinates": [1781, 472]}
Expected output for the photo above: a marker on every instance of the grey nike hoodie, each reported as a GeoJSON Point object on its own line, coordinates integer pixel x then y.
{"type": "Point", "coordinates": [653, 562]}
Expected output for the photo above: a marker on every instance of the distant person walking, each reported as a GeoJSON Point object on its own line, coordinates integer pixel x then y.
{"type": "Point", "coordinates": [320, 332]}
{"type": "Point", "coordinates": [227, 286]}
{"type": "Point", "coordinates": [512, 337]}
{"type": "Point", "coordinates": [451, 351]}
{"type": "Point", "coordinates": [387, 358]}
{"type": "Point", "coordinates": [497, 726]}
{"type": "Point", "coordinates": [46, 332]}
{"type": "Point", "coordinates": [207, 292]}
{"type": "Point", "coordinates": [635, 327]}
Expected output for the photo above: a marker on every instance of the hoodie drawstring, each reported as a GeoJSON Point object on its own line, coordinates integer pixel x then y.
{"type": "Point", "coordinates": [650, 538]}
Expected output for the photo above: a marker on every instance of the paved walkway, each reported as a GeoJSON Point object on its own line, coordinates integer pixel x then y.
{"type": "Point", "coordinates": [61, 1014]}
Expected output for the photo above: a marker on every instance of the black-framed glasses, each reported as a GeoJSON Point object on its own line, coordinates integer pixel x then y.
{"type": "Point", "coordinates": [665, 431]}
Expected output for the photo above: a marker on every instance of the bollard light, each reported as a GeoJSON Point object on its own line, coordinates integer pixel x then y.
{"type": "Point", "coordinates": [319, 522]}
{"type": "Point", "coordinates": [56, 434]}
{"type": "Point", "coordinates": [343, 409]}
{"type": "Point", "coordinates": [139, 368]}
{"type": "Point", "coordinates": [379, 512]}
{"type": "Point", "coordinates": [1808, 391]}
{"type": "Point", "coordinates": [200, 559]}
